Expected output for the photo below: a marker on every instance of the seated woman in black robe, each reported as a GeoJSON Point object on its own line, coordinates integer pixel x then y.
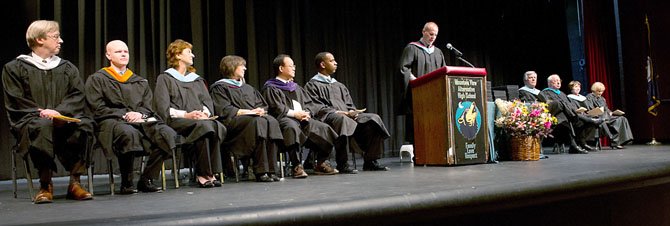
{"type": "Point", "coordinates": [251, 131]}
{"type": "Point", "coordinates": [589, 133]}
{"type": "Point", "coordinates": [182, 100]}
{"type": "Point", "coordinates": [618, 124]}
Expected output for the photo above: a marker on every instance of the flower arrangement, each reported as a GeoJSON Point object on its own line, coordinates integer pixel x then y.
{"type": "Point", "coordinates": [525, 119]}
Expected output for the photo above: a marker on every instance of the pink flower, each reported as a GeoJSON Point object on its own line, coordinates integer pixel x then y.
{"type": "Point", "coordinates": [535, 113]}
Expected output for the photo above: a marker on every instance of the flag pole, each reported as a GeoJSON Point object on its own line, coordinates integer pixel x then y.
{"type": "Point", "coordinates": [653, 137]}
{"type": "Point", "coordinates": [650, 75]}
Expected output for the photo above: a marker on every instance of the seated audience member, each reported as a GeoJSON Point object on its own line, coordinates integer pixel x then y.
{"type": "Point", "coordinates": [588, 132]}
{"type": "Point", "coordinates": [618, 124]}
{"type": "Point", "coordinates": [528, 93]}
{"type": "Point", "coordinates": [182, 100]}
{"type": "Point", "coordinates": [121, 102]}
{"type": "Point", "coordinates": [251, 131]}
{"type": "Point", "coordinates": [39, 88]}
{"type": "Point", "coordinates": [291, 105]}
{"type": "Point", "coordinates": [366, 129]}
{"type": "Point", "coordinates": [566, 112]}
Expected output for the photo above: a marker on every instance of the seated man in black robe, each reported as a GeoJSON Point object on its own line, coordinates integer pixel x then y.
{"type": "Point", "coordinates": [367, 129]}
{"type": "Point", "coordinates": [251, 131]}
{"type": "Point", "coordinates": [39, 88]}
{"type": "Point", "coordinates": [182, 100]}
{"type": "Point", "coordinates": [618, 124]}
{"type": "Point", "coordinates": [121, 102]}
{"type": "Point", "coordinates": [528, 93]}
{"type": "Point", "coordinates": [289, 103]}
{"type": "Point", "coordinates": [569, 121]}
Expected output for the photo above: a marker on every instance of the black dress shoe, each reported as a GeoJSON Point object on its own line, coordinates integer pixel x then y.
{"type": "Point", "coordinates": [128, 190]}
{"type": "Point", "coordinates": [263, 178]}
{"type": "Point", "coordinates": [217, 183]}
{"type": "Point", "coordinates": [145, 185]}
{"type": "Point", "coordinates": [577, 150]}
{"type": "Point", "coordinates": [587, 147]}
{"type": "Point", "coordinates": [374, 166]}
{"type": "Point", "coordinates": [344, 169]}
{"type": "Point", "coordinates": [275, 178]}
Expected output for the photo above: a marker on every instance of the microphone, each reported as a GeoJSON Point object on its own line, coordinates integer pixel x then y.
{"type": "Point", "coordinates": [453, 49]}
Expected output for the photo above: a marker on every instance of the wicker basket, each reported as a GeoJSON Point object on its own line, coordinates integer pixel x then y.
{"type": "Point", "coordinates": [525, 148]}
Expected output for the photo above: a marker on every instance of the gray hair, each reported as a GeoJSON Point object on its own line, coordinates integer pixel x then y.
{"type": "Point", "coordinates": [525, 75]}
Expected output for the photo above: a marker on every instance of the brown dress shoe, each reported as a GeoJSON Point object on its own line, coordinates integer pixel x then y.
{"type": "Point", "coordinates": [324, 168]}
{"type": "Point", "coordinates": [76, 192]}
{"type": "Point", "coordinates": [299, 172]}
{"type": "Point", "coordinates": [45, 195]}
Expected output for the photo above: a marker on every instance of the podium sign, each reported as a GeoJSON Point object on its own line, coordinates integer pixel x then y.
{"type": "Point", "coordinates": [450, 124]}
{"type": "Point", "coordinates": [470, 134]}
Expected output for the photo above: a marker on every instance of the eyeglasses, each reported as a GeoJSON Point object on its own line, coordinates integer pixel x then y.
{"type": "Point", "coordinates": [55, 37]}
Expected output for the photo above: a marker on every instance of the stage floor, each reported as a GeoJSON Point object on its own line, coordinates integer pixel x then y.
{"type": "Point", "coordinates": [366, 198]}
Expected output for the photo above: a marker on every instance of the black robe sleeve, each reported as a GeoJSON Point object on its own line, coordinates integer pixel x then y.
{"type": "Point", "coordinates": [223, 105]}
{"type": "Point", "coordinates": [320, 97]}
{"type": "Point", "coordinates": [278, 103]}
{"type": "Point", "coordinates": [95, 89]}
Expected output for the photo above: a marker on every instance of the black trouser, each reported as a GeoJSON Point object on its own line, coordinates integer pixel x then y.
{"type": "Point", "coordinates": [151, 169]}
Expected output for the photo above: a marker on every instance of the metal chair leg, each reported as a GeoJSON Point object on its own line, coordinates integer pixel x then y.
{"type": "Point", "coordinates": [233, 161]}
{"type": "Point", "coordinates": [110, 169]}
{"type": "Point", "coordinates": [281, 164]}
{"type": "Point", "coordinates": [89, 172]}
{"type": "Point", "coordinates": [14, 172]}
{"type": "Point", "coordinates": [175, 168]}
{"type": "Point", "coordinates": [353, 158]}
{"type": "Point", "coordinates": [353, 153]}
{"type": "Point", "coordinates": [90, 163]}
{"type": "Point", "coordinates": [163, 181]}
{"type": "Point", "coordinates": [29, 179]}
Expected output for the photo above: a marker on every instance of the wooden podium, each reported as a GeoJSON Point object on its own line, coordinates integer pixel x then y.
{"type": "Point", "coordinates": [450, 124]}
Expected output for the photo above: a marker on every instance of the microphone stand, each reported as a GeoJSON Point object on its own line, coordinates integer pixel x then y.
{"type": "Point", "coordinates": [465, 61]}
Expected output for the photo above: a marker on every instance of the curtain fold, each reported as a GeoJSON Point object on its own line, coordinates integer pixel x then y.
{"type": "Point", "coordinates": [599, 45]}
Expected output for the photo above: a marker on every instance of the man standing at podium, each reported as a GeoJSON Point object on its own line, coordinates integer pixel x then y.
{"type": "Point", "coordinates": [418, 58]}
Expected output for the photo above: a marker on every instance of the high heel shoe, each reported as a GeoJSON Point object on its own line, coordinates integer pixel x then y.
{"type": "Point", "coordinates": [206, 184]}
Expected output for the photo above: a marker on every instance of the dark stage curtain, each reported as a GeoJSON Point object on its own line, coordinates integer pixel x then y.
{"type": "Point", "coordinates": [600, 46]}
{"type": "Point", "coordinates": [366, 37]}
